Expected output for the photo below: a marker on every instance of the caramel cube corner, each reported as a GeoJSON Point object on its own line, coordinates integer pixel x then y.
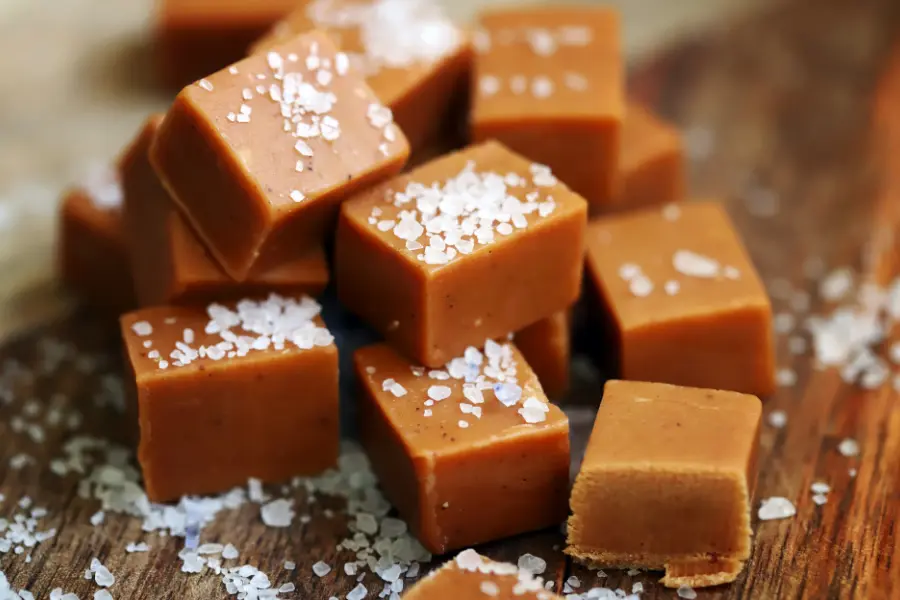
{"type": "Point", "coordinates": [667, 482]}
{"type": "Point", "coordinates": [441, 441]}
{"type": "Point", "coordinates": [546, 346]}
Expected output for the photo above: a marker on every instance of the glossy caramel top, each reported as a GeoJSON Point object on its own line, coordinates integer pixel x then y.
{"type": "Point", "coordinates": [678, 261]}
{"type": "Point", "coordinates": [460, 204]}
{"type": "Point", "coordinates": [478, 398]}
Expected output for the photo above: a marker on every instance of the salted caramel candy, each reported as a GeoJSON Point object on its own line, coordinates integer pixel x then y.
{"type": "Point", "coordinates": [92, 257]}
{"type": "Point", "coordinates": [194, 38]}
{"type": "Point", "coordinates": [680, 300]}
{"type": "Point", "coordinates": [667, 481]}
{"type": "Point", "coordinates": [471, 246]}
{"type": "Point", "coordinates": [471, 576]}
{"type": "Point", "coordinates": [228, 392]}
{"type": "Point", "coordinates": [546, 346]}
{"type": "Point", "coordinates": [259, 155]}
{"type": "Point", "coordinates": [414, 57]}
{"type": "Point", "coordinates": [548, 83]}
{"type": "Point", "coordinates": [652, 169]}
{"type": "Point", "coordinates": [171, 265]}
{"type": "Point", "coordinates": [468, 453]}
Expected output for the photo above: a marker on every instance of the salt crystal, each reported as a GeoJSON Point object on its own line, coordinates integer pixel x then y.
{"type": "Point", "coordinates": [820, 499]}
{"type": "Point", "coordinates": [358, 593]}
{"type": "Point", "coordinates": [531, 563]}
{"type": "Point", "coordinates": [776, 507]}
{"type": "Point", "coordinates": [820, 487]}
{"type": "Point", "coordinates": [321, 569]}
{"type": "Point", "coordinates": [777, 419]}
{"type": "Point", "coordinates": [439, 392]}
{"type": "Point", "coordinates": [672, 287]}
{"type": "Point", "coordinates": [142, 328]}
{"type": "Point", "coordinates": [277, 513]}
{"type": "Point", "coordinates": [290, 565]}
{"type": "Point", "coordinates": [97, 518]}
{"type": "Point", "coordinates": [102, 595]}
{"type": "Point", "coordinates": [692, 264]}
{"type": "Point", "coordinates": [786, 377]}
{"type": "Point", "coordinates": [836, 285]}
{"type": "Point", "coordinates": [206, 85]}
{"type": "Point", "coordinates": [686, 592]}
{"type": "Point", "coordinates": [489, 588]}
{"type": "Point", "coordinates": [848, 447]}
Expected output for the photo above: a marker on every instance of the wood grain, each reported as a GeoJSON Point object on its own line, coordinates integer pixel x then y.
{"type": "Point", "coordinates": [790, 96]}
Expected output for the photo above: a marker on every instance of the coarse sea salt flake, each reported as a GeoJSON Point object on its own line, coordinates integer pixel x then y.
{"type": "Point", "coordinates": [848, 447]}
{"type": "Point", "coordinates": [205, 84]}
{"type": "Point", "coordinates": [142, 328]}
{"type": "Point", "coordinates": [776, 507]}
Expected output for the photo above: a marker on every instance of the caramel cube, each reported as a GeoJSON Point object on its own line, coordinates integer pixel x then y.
{"type": "Point", "coordinates": [415, 58]}
{"type": "Point", "coordinates": [548, 83]}
{"type": "Point", "coordinates": [667, 481]}
{"type": "Point", "coordinates": [170, 264]}
{"type": "Point", "coordinates": [231, 392]}
{"type": "Point", "coordinates": [546, 346]}
{"type": "Point", "coordinates": [474, 245]}
{"type": "Point", "coordinates": [651, 161]}
{"type": "Point", "coordinates": [197, 37]}
{"type": "Point", "coordinates": [443, 441]}
{"type": "Point", "coordinates": [680, 297]}
{"type": "Point", "coordinates": [471, 575]}
{"type": "Point", "coordinates": [92, 258]}
{"type": "Point", "coordinates": [259, 155]}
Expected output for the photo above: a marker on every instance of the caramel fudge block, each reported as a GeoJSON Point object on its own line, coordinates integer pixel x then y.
{"type": "Point", "coordinates": [472, 576]}
{"type": "Point", "coordinates": [681, 299]}
{"type": "Point", "coordinates": [546, 346]}
{"type": "Point", "coordinates": [194, 38]}
{"type": "Point", "coordinates": [92, 258]}
{"type": "Point", "coordinates": [415, 58]}
{"type": "Point", "coordinates": [469, 453]}
{"type": "Point", "coordinates": [259, 155]}
{"type": "Point", "coordinates": [170, 264]}
{"type": "Point", "coordinates": [651, 161]}
{"type": "Point", "coordinates": [471, 246]}
{"type": "Point", "coordinates": [231, 392]}
{"type": "Point", "coordinates": [548, 82]}
{"type": "Point", "coordinates": [667, 481]}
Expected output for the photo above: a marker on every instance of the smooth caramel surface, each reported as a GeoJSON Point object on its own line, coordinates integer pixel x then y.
{"type": "Point", "coordinates": [171, 265]}
{"type": "Point", "coordinates": [414, 57]}
{"type": "Point", "coordinates": [438, 460]}
{"type": "Point", "coordinates": [667, 480]}
{"type": "Point", "coordinates": [260, 154]}
{"type": "Point", "coordinates": [683, 300]}
{"type": "Point", "coordinates": [546, 346]}
{"type": "Point", "coordinates": [433, 299]}
{"type": "Point", "coordinates": [548, 82]}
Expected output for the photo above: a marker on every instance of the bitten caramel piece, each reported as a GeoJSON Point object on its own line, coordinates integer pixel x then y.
{"type": "Point", "coordinates": [197, 37]}
{"type": "Point", "coordinates": [667, 481]}
{"type": "Point", "coordinates": [92, 258]}
{"type": "Point", "coordinates": [170, 264]}
{"type": "Point", "coordinates": [470, 246]}
{"type": "Point", "coordinates": [680, 299]}
{"type": "Point", "coordinates": [469, 453]}
{"type": "Point", "coordinates": [651, 161]}
{"type": "Point", "coordinates": [231, 392]}
{"type": "Point", "coordinates": [546, 346]}
{"type": "Point", "coordinates": [415, 58]}
{"type": "Point", "coordinates": [259, 155]}
{"type": "Point", "coordinates": [548, 83]}
{"type": "Point", "coordinates": [471, 576]}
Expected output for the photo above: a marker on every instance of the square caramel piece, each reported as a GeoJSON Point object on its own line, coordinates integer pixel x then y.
{"type": "Point", "coordinates": [667, 482]}
{"type": "Point", "coordinates": [548, 83]}
{"type": "Point", "coordinates": [471, 246]}
{"type": "Point", "coordinates": [546, 346]}
{"type": "Point", "coordinates": [171, 265]}
{"type": "Point", "coordinates": [194, 38]}
{"type": "Point", "coordinates": [229, 392]}
{"type": "Point", "coordinates": [652, 169]}
{"type": "Point", "coordinates": [680, 300]}
{"type": "Point", "coordinates": [472, 576]}
{"type": "Point", "coordinates": [92, 256]}
{"type": "Point", "coordinates": [469, 453]}
{"type": "Point", "coordinates": [259, 155]}
{"type": "Point", "coordinates": [415, 58]}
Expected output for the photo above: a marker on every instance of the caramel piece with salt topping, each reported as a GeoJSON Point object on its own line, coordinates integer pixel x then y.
{"type": "Point", "coordinates": [415, 58]}
{"type": "Point", "coordinates": [651, 161]}
{"type": "Point", "coordinates": [667, 482]}
{"type": "Point", "coordinates": [471, 576]}
{"type": "Point", "coordinates": [465, 458]}
{"type": "Point", "coordinates": [548, 83]}
{"type": "Point", "coordinates": [680, 299]}
{"type": "Point", "coordinates": [92, 258]}
{"type": "Point", "coordinates": [170, 264]}
{"type": "Point", "coordinates": [473, 245]}
{"type": "Point", "coordinates": [260, 155]}
{"type": "Point", "coordinates": [231, 392]}
{"type": "Point", "coordinates": [197, 37]}
{"type": "Point", "coordinates": [546, 346]}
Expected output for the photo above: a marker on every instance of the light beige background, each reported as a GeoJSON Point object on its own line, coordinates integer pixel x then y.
{"type": "Point", "coordinates": [76, 83]}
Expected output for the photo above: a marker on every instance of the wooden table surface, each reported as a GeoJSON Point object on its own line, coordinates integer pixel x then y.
{"type": "Point", "coordinates": [779, 116]}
